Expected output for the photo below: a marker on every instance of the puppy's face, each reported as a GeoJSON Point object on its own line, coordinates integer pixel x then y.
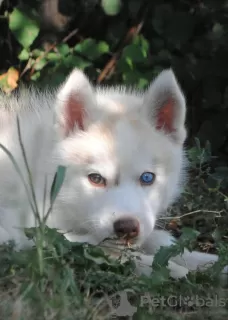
{"type": "Point", "coordinates": [124, 159]}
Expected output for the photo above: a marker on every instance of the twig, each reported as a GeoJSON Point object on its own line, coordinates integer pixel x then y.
{"type": "Point", "coordinates": [70, 35]}
{"type": "Point", "coordinates": [53, 46]}
{"type": "Point", "coordinates": [132, 32]}
{"type": "Point", "coordinates": [191, 213]}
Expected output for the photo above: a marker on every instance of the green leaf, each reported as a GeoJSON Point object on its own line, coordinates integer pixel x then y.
{"type": "Point", "coordinates": [135, 78]}
{"type": "Point", "coordinates": [134, 53]}
{"type": "Point", "coordinates": [92, 49]}
{"type": "Point", "coordinates": [63, 49]}
{"type": "Point", "coordinates": [72, 61]}
{"type": "Point", "coordinates": [37, 52]}
{"type": "Point", "coordinates": [102, 47]}
{"type": "Point", "coordinates": [23, 27]}
{"type": "Point", "coordinates": [52, 56]}
{"type": "Point", "coordinates": [143, 43]}
{"type": "Point", "coordinates": [188, 234]}
{"type": "Point", "coordinates": [36, 76]}
{"type": "Point", "coordinates": [163, 255]}
{"type": "Point", "coordinates": [24, 55]}
{"type": "Point", "coordinates": [111, 7]}
{"type": "Point", "coordinates": [217, 31]}
{"type": "Point", "coordinates": [57, 183]}
{"type": "Point", "coordinates": [96, 255]}
{"type": "Point", "coordinates": [40, 64]}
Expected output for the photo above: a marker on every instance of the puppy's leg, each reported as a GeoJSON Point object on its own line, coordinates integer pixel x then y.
{"type": "Point", "coordinates": [144, 262]}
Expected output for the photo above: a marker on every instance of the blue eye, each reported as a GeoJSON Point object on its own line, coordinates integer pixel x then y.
{"type": "Point", "coordinates": [147, 178]}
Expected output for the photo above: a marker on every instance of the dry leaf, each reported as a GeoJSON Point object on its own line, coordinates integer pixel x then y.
{"type": "Point", "coordinates": [8, 80]}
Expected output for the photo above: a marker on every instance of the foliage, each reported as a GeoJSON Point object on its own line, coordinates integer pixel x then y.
{"type": "Point", "coordinates": [111, 7]}
{"type": "Point", "coordinates": [191, 37]}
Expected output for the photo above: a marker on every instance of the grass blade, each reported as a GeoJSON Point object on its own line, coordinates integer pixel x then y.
{"type": "Point", "coordinates": [57, 183]}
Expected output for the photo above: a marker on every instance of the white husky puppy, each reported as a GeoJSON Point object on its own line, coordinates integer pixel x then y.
{"type": "Point", "coordinates": [123, 151]}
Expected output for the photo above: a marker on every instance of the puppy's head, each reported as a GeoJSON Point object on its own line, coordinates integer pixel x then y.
{"type": "Point", "coordinates": [124, 156]}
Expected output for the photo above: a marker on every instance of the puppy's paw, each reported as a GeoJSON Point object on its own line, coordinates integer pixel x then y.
{"type": "Point", "coordinates": [177, 271]}
{"type": "Point", "coordinates": [144, 266]}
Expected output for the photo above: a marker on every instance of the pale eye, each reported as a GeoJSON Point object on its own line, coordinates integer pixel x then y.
{"type": "Point", "coordinates": [147, 178]}
{"type": "Point", "coordinates": [97, 179]}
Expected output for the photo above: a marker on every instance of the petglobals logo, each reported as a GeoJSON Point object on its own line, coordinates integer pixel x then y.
{"type": "Point", "coordinates": [182, 301]}
{"type": "Point", "coordinates": [120, 303]}
{"type": "Point", "coordinates": [196, 301]}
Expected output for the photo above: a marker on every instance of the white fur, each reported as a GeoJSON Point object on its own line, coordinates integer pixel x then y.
{"type": "Point", "coordinates": [120, 141]}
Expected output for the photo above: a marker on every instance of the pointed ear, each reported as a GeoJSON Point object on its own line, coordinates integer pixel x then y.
{"type": "Point", "coordinates": [166, 106]}
{"type": "Point", "coordinates": [74, 100]}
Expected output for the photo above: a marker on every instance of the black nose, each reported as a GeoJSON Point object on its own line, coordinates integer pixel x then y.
{"type": "Point", "coordinates": [126, 227]}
